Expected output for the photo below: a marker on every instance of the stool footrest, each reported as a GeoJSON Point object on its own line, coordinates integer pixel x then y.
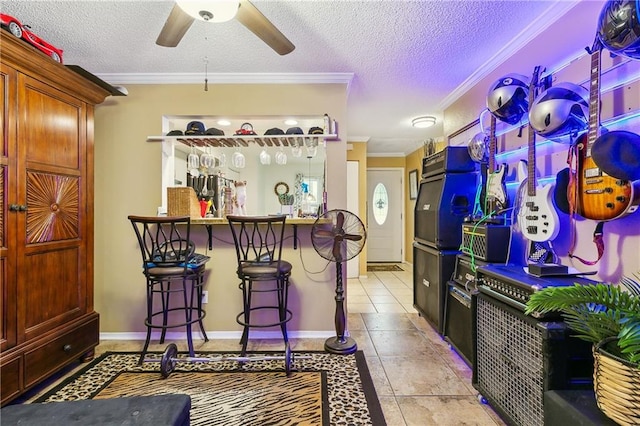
{"type": "Point", "coordinates": [287, 318]}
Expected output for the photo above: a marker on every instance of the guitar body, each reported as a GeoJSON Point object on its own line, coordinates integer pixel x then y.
{"type": "Point", "coordinates": [538, 218]}
{"type": "Point", "coordinates": [497, 189]}
{"type": "Point", "coordinates": [597, 195]}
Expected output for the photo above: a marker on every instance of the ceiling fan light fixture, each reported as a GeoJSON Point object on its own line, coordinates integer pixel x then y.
{"type": "Point", "coordinates": [210, 11]}
{"type": "Point", "coordinates": [423, 122]}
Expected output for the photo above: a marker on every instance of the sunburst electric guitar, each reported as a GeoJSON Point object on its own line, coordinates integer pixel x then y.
{"type": "Point", "coordinates": [496, 198]}
{"type": "Point", "coordinates": [537, 216]}
{"type": "Point", "coordinates": [595, 194]}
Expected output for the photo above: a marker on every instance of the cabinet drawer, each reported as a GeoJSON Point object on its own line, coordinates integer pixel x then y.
{"type": "Point", "coordinates": [62, 350]}
{"type": "Point", "coordinates": [10, 378]}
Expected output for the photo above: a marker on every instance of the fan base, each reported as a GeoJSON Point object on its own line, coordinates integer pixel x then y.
{"type": "Point", "coordinates": [346, 346]}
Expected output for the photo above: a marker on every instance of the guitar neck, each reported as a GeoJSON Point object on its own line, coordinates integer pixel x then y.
{"type": "Point", "coordinates": [492, 145]}
{"type": "Point", "coordinates": [531, 159]}
{"type": "Point", "coordinates": [594, 100]}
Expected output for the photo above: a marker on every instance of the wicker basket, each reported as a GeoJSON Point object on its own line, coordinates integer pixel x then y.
{"type": "Point", "coordinates": [616, 383]}
{"type": "Point", "coordinates": [183, 201]}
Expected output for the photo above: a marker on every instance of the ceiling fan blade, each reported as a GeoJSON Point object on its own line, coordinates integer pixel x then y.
{"type": "Point", "coordinates": [249, 16]}
{"type": "Point", "coordinates": [175, 27]}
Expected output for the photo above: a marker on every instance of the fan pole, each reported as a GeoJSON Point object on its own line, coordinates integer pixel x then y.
{"type": "Point", "coordinates": [340, 344]}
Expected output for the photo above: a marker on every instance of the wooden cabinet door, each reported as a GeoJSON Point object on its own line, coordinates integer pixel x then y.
{"type": "Point", "coordinates": [52, 183]}
{"type": "Point", "coordinates": [8, 327]}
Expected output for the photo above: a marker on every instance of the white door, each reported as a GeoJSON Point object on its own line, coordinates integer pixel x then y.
{"type": "Point", "coordinates": [353, 265]}
{"type": "Point", "coordinates": [384, 207]}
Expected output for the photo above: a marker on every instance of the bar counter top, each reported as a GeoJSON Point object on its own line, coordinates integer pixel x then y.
{"type": "Point", "coordinates": [223, 221]}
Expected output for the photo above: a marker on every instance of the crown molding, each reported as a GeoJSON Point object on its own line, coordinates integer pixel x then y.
{"type": "Point", "coordinates": [386, 154]}
{"type": "Point", "coordinates": [556, 11]}
{"type": "Point", "coordinates": [230, 78]}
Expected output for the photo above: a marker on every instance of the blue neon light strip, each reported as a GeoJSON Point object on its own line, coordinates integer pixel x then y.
{"type": "Point", "coordinates": [518, 152]}
{"type": "Point", "coordinates": [541, 181]}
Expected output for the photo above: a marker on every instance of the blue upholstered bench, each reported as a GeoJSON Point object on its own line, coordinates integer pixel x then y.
{"type": "Point", "coordinates": [160, 410]}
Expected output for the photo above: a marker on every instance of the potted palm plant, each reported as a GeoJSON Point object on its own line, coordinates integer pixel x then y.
{"type": "Point", "coordinates": [608, 316]}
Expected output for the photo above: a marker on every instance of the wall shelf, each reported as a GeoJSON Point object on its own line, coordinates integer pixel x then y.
{"type": "Point", "coordinates": [243, 141]}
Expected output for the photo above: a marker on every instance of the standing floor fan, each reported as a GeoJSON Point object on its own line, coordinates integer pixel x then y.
{"type": "Point", "coordinates": [338, 236]}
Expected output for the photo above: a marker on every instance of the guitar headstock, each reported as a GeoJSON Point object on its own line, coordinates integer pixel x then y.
{"type": "Point", "coordinates": [534, 83]}
{"type": "Point", "coordinates": [595, 47]}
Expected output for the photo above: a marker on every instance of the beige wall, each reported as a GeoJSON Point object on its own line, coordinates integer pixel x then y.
{"type": "Point", "coordinates": [413, 162]}
{"type": "Point", "coordinates": [621, 236]}
{"type": "Point", "coordinates": [128, 173]}
{"type": "Point", "coordinates": [357, 151]}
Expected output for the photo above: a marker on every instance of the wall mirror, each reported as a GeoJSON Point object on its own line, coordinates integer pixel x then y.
{"type": "Point", "coordinates": [279, 179]}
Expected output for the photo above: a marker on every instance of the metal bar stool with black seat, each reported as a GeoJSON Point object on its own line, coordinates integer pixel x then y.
{"type": "Point", "coordinates": [258, 242]}
{"type": "Point", "coordinates": [170, 267]}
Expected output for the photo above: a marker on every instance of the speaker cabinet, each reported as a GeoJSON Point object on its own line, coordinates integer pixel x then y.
{"type": "Point", "coordinates": [432, 269]}
{"type": "Point", "coordinates": [442, 204]}
{"type": "Point", "coordinates": [518, 358]}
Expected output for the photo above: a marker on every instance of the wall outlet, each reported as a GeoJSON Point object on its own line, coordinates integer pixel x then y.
{"type": "Point", "coordinates": [205, 296]}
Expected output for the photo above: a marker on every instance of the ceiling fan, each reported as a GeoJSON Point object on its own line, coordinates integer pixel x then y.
{"type": "Point", "coordinates": [184, 12]}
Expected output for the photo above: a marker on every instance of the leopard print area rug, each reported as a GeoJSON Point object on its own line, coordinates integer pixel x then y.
{"type": "Point", "coordinates": [323, 389]}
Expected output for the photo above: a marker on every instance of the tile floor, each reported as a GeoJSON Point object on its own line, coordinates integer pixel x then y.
{"type": "Point", "coordinates": [419, 379]}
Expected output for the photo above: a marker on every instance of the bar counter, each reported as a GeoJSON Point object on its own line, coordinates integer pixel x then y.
{"type": "Point", "coordinates": [312, 291]}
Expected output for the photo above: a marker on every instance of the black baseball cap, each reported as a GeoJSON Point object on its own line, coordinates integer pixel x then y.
{"type": "Point", "coordinates": [214, 132]}
{"type": "Point", "coordinates": [316, 131]}
{"type": "Point", "coordinates": [294, 131]}
{"type": "Point", "coordinates": [274, 131]}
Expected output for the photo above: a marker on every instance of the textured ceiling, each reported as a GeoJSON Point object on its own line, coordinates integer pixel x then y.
{"type": "Point", "coordinates": [408, 58]}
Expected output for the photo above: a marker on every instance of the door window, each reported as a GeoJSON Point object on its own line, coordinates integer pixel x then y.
{"type": "Point", "coordinates": [380, 203]}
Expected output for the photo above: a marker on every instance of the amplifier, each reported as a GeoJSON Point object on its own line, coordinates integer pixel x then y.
{"type": "Point", "coordinates": [458, 321]}
{"type": "Point", "coordinates": [458, 318]}
{"type": "Point", "coordinates": [452, 159]}
{"type": "Point", "coordinates": [488, 242]}
{"type": "Point", "coordinates": [518, 358]}
{"type": "Point", "coordinates": [465, 272]}
{"type": "Point", "coordinates": [513, 286]}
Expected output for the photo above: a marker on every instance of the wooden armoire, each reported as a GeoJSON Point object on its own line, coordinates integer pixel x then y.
{"type": "Point", "coordinates": [46, 221]}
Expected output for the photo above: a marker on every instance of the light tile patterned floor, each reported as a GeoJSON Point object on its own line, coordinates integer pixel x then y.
{"type": "Point", "coordinates": [419, 379]}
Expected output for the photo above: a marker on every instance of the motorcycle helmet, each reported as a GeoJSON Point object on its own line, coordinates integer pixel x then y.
{"type": "Point", "coordinates": [560, 110]}
{"type": "Point", "coordinates": [619, 29]}
{"type": "Point", "coordinates": [478, 147]}
{"type": "Point", "coordinates": [507, 98]}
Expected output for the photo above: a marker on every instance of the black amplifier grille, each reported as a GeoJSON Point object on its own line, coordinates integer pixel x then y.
{"type": "Point", "coordinates": [510, 367]}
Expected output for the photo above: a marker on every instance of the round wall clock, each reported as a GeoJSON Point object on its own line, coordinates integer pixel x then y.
{"type": "Point", "coordinates": [281, 188]}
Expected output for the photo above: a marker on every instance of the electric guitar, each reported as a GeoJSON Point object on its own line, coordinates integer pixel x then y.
{"type": "Point", "coordinates": [537, 216]}
{"type": "Point", "coordinates": [595, 194]}
{"type": "Point", "coordinates": [496, 198]}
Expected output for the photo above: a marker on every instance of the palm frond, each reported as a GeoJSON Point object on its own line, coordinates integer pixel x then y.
{"type": "Point", "coordinates": [596, 312]}
{"type": "Point", "coordinates": [631, 285]}
{"type": "Point", "coordinates": [629, 340]}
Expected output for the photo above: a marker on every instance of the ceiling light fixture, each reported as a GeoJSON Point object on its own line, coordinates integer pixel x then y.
{"type": "Point", "coordinates": [290, 122]}
{"type": "Point", "coordinates": [224, 123]}
{"type": "Point", "coordinates": [210, 11]}
{"type": "Point", "coordinates": [423, 122]}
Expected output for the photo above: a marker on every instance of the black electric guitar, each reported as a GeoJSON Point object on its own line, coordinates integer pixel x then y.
{"type": "Point", "coordinates": [537, 216]}
{"type": "Point", "coordinates": [595, 194]}
{"type": "Point", "coordinates": [496, 199]}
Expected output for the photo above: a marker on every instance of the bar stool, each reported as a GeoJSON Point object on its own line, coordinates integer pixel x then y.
{"type": "Point", "coordinates": [170, 267]}
{"type": "Point", "coordinates": [258, 242]}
